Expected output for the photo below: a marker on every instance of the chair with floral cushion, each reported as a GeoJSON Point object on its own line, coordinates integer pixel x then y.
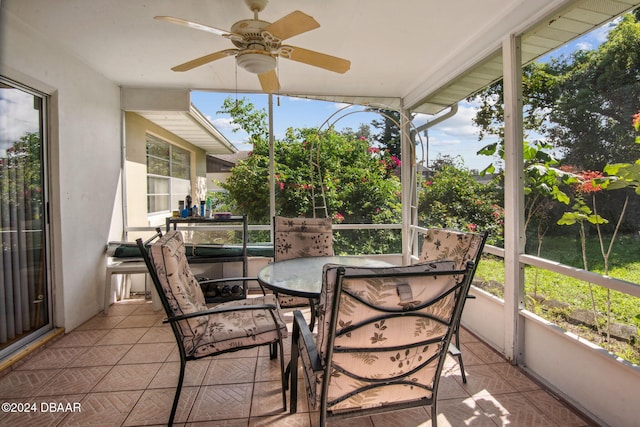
{"type": "Point", "coordinates": [461, 247]}
{"type": "Point", "coordinates": [297, 238]}
{"type": "Point", "coordinates": [201, 331]}
{"type": "Point", "coordinates": [382, 338]}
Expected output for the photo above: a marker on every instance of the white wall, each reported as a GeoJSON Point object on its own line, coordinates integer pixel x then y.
{"type": "Point", "coordinates": [587, 376]}
{"type": "Point", "coordinates": [85, 137]}
{"type": "Point", "coordinates": [582, 373]}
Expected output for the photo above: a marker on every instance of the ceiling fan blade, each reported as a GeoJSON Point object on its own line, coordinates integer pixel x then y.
{"type": "Point", "coordinates": [317, 59]}
{"type": "Point", "coordinates": [291, 25]}
{"type": "Point", "coordinates": [197, 26]}
{"type": "Point", "coordinates": [204, 60]}
{"type": "Point", "coordinates": [269, 81]}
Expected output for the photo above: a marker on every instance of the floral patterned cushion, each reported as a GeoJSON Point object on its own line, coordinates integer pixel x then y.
{"type": "Point", "coordinates": [217, 332]}
{"type": "Point", "coordinates": [301, 237]}
{"type": "Point", "coordinates": [179, 285]}
{"type": "Point", "coordinates": [357, 306]}
{"type": "Point", "coordinates": [449, 244]}
{"type": "Point", "coordinates": [240, 329]}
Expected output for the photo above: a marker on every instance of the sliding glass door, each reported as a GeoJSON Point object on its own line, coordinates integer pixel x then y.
{"type": "Point", "coordinates": [24, 290]}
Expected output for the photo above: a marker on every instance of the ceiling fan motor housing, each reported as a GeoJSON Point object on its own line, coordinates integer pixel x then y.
{"type": "Point", "coordinates": [257, 47]}
{"type": "Point", "coordinates": [254, 36]}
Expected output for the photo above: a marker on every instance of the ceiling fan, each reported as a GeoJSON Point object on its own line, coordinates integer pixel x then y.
{"type": "Point", "coordinates": [259, 44]}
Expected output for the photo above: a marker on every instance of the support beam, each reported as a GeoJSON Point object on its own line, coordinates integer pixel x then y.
{"type": "Point", "coordinates": [272, 167]}
{"type": "Point", "coordinates": [513, 197]}
{"type": "Point", "coordinates": [407, 180]}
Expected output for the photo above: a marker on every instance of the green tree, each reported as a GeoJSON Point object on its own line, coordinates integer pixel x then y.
{"type": "Point", "coordinates": [598, 91]}
{"type": "Point", "coordinates": [581, 102]}
{"type": "Point", "coordinates": [452, 198]}
{"type": "Point", "coordinates": [358, 180]}
{"type": "Point", "coordinates": [389, 135]}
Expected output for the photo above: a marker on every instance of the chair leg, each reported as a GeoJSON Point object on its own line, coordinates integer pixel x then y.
{"type": "Point", "coordinates": [457, 338]}
{"type": "Point", "coordinates": [283, 376]}
{"type": "Point", "coordinates": [434, 414]}
{"type": "Point", "coordinates": [464, 377]}
{"type": "Point", "coordinates": [293, 371]}
{"type": "Point", "coordinates": [287, 373]}
{"type": "Point", "coordinates": [176, 398]}
{"type": "Point", "coordinates": [273, 350]}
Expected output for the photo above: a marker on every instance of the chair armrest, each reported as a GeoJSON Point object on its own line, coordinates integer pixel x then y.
{"type": "Point", "coordinates": [226, 279]}
{"type": "Point", "coordinates": [309, 342]}
{"type": "Point", "coordinates": [302, 332]}
{"type": "Point", "coordinates": [220, 310]}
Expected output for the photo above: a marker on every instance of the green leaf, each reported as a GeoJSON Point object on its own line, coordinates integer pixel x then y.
{"type": "Point", "coordinates": [489, 169]}
{"type": "Point", "coordinates": [568, 218]}
{"type": "Point", "coordinates": [597, 219]}
{"type": "Point", "coordinates": [529, 152]}
{"type": "Point", "coordinates": [560, 195]}
{"type": "Point", "coordinates": [488, 150]}
{"type": "Point", "coordinates": [613, 169]}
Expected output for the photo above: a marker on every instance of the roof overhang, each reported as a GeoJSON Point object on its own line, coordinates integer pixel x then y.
{"type": "Point", "coordinates": [554, 30]}
{"type": "Point", "coordinates": [172, 110]}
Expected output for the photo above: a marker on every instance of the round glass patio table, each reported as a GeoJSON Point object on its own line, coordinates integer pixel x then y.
{"type": "Point", "coordinates": [303, 276]}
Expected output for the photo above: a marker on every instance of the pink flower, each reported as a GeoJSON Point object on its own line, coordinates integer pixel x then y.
{"type": "Point", "coordinates": [281, 185]}
{"type": "Point", "coordinates": [587, 184]}
{"type": "Point", "coordinates": [362, 138]}
{"type": "Point", "coordinates": [373, 150]}
{"type": "Point", "coordinates": [472, 227]}
{"type": "Point", "coordinates": [338, 217]}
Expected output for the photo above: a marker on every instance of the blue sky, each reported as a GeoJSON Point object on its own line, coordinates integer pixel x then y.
{"type": "Point", "coordinates": [455, 137]}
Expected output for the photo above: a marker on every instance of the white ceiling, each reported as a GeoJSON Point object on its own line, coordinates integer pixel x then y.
{"type": "Point", "coordinates": [430, 53]}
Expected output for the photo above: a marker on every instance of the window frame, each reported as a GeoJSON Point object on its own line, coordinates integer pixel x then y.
{"type": "Point", "coordinates": [173, 161]}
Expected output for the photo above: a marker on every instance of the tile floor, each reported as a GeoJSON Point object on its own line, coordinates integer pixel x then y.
{"type": "Point", "coordinates": [121, 369]}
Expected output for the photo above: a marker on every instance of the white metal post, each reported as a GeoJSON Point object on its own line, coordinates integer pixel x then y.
{"type": "Point", "coordinates": [408, 188]}
{"type": "Point", "coordinates": [513, 197]}
{"type": "Point", "coordinates": [272, 186]}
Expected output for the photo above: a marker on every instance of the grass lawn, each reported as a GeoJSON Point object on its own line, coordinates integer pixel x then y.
{"type": "Point", "coordinates": [624, 263]}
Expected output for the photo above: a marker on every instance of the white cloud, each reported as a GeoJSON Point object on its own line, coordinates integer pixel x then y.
{"type": "Point", "coordinates": [584, 45]}
{"type": "Point", "coordinates": [296, 99]}
{"type": "Point", "coordinates": [17, 117]}
{"type": "Point", "coordinates": [341, 105]}
{"type": "Point", "coordinates": [224, 123]}
{"type": "Point", "coordinates": [436, 141]}
{"type": "Point", "coordinates": [460, 127]}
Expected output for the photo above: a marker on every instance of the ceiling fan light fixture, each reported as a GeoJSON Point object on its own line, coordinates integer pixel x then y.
{"type": "Point", "coordinates": [256, 62]}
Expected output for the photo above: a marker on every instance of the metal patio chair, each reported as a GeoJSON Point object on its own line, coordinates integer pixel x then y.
{"type": "Point", "coordinates": [201, 331]}
{"type": "Point", "coordinates": [461, 247]}
{"type": "Point", "coordinates": [382, 338]}
{"type": "Point", "coordinates": [301, 237]}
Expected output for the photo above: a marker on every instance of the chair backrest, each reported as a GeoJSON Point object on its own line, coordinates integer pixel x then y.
{"type": "Point", "coordinates": [454, 245]}
{"type": "Point", "coordinates": [383, 333]}
{"type": "Point", "coordinates": [302, 237]}
{"type": "Point", "coordinates": [176, 285]}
